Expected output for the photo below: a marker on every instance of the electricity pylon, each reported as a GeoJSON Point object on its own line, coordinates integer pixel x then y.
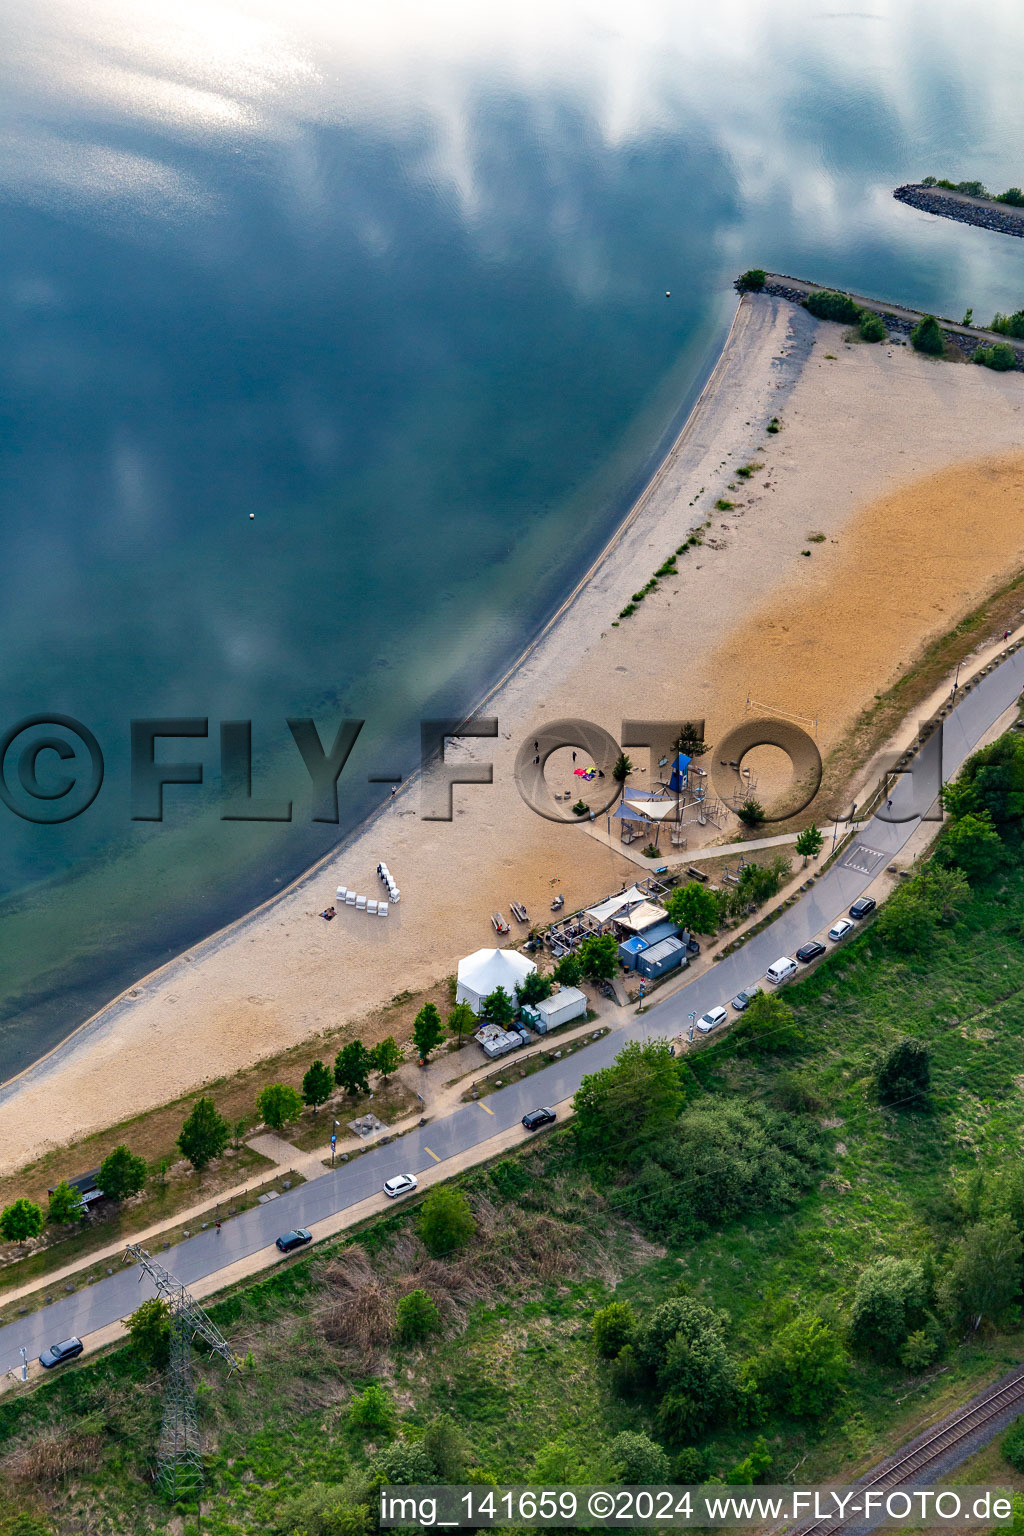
{"type": "Point", "coordinates": [179, 1450]}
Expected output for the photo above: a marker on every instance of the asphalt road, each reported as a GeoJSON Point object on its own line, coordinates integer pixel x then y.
{"type": "Point", "coordinates": [120, 1293]}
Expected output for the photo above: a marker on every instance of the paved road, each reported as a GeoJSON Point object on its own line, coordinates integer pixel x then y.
{"type": "Point", "coordinates": [119, 1294]}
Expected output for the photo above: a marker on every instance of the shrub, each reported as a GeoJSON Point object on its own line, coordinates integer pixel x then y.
{"type": "Point", "coordinates": [724, 504]}
{"type": "Point", "coordinates": [624, 1107]}
{"type": "Point", "coordinates": [149, 1329]}
{"type": "Point", "coordinates": [920, 1349]}
{"type": "Point", "coordinates": [1000, 357]}
{"type": "Point", "coordinates": [622, 768]}
{"type": "Point", "coordinates": [416, 1316]}
{"type": "Point", "coordinates": [830, 305]}
{"type": "Point", "coordinates": [446, 1221]}
{"type": "Point", "coordinates": [751, 281]}
{"type": "Point", "coordinates": [372, 1411]}
{"type": "Point", "coordinates": [1013, 1444]}
{"type": "Point", "coordinates": [769, 1026]}
{"type": "Point", "coordinates": [775, 425]}
{"type": "Point", "coordinates": [927, 337]}
{"type": "Point", "coordinates": [903, 1076]}
{"type": "Point", "coordinates": [681, 1351]}
{"type": "Point", "coordinates": [804, 1368]}
{"type": "Point", "coordinates": [322, 1509]}
{"type": "Point", "coordinates": [751, 813]}
{"type": "Point", "coordinates": [638, 1459]}
{"type": "Point", "coordinates": [1013, 195]}
{"type": "Point", "coordinates": [872, 327]}
{"type": "Point", "coordinates": [983, 1280]}
{"type": "Point", "coordinates": [755, 1466]}
{"type": "Point", "coordinates": [972, 844]}
{"type": "Point", "coordinates": [613, 1328]}
{"type": "Point", "coordinates": [1009, 325]}
{"type": "Point", "coordinates": [581, 808]}
{"type": "Point", "coordinates": [888, 1304]}
{"type": "Point", "coordinates": [446, 1446]}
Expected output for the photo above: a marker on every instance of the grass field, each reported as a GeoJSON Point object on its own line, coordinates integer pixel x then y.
{"type": "Point", "coordinates": [513, 1363]}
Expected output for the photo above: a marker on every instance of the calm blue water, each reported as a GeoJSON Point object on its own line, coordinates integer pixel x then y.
{"type": "Point", "coordinates": [394, 283]}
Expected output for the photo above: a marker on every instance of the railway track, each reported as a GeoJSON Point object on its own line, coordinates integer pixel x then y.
{"type": "Point", "coordinates": [929, 1450]}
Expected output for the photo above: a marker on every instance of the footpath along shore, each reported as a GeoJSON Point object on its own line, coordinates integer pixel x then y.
{"type": "Point", "coordinates": [864, 461]}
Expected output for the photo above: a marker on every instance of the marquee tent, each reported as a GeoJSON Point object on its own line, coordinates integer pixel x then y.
{"type": "Point", "coordinates": [486, 970]}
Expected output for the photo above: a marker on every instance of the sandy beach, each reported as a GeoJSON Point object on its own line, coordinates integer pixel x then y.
{"type": "Point", "coordinates": [910, 476]}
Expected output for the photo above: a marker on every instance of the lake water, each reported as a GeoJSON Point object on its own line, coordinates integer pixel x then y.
{"type": "Point", "coordinates": [391, 278]}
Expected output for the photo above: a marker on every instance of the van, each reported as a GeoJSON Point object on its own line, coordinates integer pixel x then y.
{"type": "Point", "coordinates": [781, 971]}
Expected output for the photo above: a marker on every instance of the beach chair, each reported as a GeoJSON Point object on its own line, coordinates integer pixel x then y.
{"type": "Point", "coordinates": [341, 892]}
{"type": "Point", "coordinates": [371, 907]}
{"type": "Point", "coordinates": [360, 903]}
{"type": "Point", "coordinates": [382, 909]}
{"type": "Point", "coordinates": [350, 898]}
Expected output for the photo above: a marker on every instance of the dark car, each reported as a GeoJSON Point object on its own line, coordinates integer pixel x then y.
{"type": "Point", "coordinates": [289, 1241]}
{"type": "Point", "coordinates": [744, 999]}
{"type": "Point", "coordinates": [808, 952]}
{"type": "Point", "coordinates": [68, 1349]}
{"type": "Point", "coordinates": [862, 906]}
{"type": "Point", "coordinates": [538, 1117]}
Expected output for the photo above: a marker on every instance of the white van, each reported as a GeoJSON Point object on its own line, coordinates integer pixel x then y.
{"type": "Point", "coordinates": [781, 971]}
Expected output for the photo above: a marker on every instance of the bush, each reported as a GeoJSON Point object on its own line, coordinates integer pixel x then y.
{"type": "Point", "coordinates": [149, 1329]}
{"type": "Point", "coordinates": [1009, 325]}
{"type": "Point", "coordinates": [920, 1350]}
{"type": "Point", "coordinates": [581, 808]}
{"type": "Point", "coordinates": [803, 1369]}
{"type": "Point", "coordinates": [888, 1304]}
{"type": "Point", "coordinates": [927, 337]}
{"type": "Point", "coordinates": [65, 1204]}
{"type": "Point", "coordinates": [623, 1108]}
{"type": "Point", "coordinates": [751, 813]}
{"type": "Point", "coordinates": [751, 281]}
{"type": "Point", "coordinates": [372, 1411]}
{"type": "Point", "coordinates": [830, 305]}
{"type": "Point", "coordinates": [872, 327]}
{"type": "Point", "coordinates": [769, 1026]}
{"type": "Point", "coordinates": [613, 1328]}
{"type": "Point", "coordinates": [638, 1459]}
{"type": "Point", "coordinates": [416, 1316]}
{"type": "Point", "coordinates": [1013, 1444]}
{"type": "Point", "coordinates": [903, 1076]}
{"type": "Point", "coordinates": [983, 1280]}
{"type": "Point", "coordinates": [972, 843]}
{"type": "Point", "coordinates": [681, 1352]}
{"type": "Point", "coordinates": [1000, 357]}
{"type": "Point", "coordinates": [321, 1510]}
{"type": "Point", "coordinates": [446, 1221]}
{"type": "Point", "coordinates": [1013, 195]}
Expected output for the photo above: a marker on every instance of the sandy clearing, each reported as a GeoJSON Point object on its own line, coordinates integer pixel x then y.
{"type": "Point", "coordinates": [905, 465]}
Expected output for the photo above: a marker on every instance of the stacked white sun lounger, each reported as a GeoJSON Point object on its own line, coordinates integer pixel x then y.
{"type": "Point", "coordinates": [385, 875]}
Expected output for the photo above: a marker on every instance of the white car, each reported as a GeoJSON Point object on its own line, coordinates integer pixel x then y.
{"type": "Point", "coordinates": [401, 1184]}
{"type": "Point", "coordinates": [711, 1020]}
{"type": "Point", "coordinates": [840, 930]}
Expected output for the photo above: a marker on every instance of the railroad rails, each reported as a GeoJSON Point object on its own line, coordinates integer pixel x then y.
{"type": "Point", "coordinates": [928, 1451]}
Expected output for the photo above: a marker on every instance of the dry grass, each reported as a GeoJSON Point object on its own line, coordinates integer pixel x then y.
{"type": "Point", "coordinates": [59, 1451]}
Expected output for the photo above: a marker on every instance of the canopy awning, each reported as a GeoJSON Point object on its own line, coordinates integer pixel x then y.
{"type": "Point", "coordinates": [643, 916]}
{"type": "Point", "coordinates": [605, 910]}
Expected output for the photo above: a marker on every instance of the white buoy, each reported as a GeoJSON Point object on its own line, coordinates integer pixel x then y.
{"type": "Point", "coordinates": [667, 294]}
{"type": "Point", "coordinates": [251, 516]}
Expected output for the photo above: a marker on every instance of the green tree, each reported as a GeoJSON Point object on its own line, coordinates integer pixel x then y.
{"type": "Point", "coordinates": [690, 739]}
{"type": "Point", "coordinates": [1013, 1444]}
{"type": "Point", "coordinates": [427, 1030]}
{"type": "Point", "coordinates": [121, 1174]}
{"type": "Point", "coordinates": [903, 1076]}
{"type": "Point", "coordinates": [446, 1221]}
{"type": "Point", "coordinates": [21, 1220]}
{"type": "Point", "coordinates": [533, 988]}
{"type": "Point", "coordinates": [927, 337]}
{"type": "Point", "coordinates": [499, 1008]}
{"type": "Point", "coordinates": [694, 908]}
{"type": "Point", "coordinates": [386, 1057]}
{"type": "Point", "coordinates": [751, 281]}
{"type": "Point", "coordinates": [945, 889]}
{"type": "Point", "coordinates": [149, 1329]}
{"type": "Point", "coordinates": [416, 1316]}
{"type": "Point", "coordinates": [972, 843]}
{"type": "Point", "coordinates": [871, 327]}
{"type": "Point", "coordinates": [598, 956]}
{"type": "Point", "coordinates": [278, 1104]}
{"type": "Point", "coordinates": [638, 1459]}
{"type": "Point", "coordinates": [446, 1446]}
{"type": "Point", "coordinates": [1009, 325]}
{"type": "Point", "coordinates": [1000, 357]}
{"type": "Point", "coordinates": [830, 305]}
{"type": "Point", "coordinates": [623, 1108]}
{"type": "Point", "coordinates": [352, 1068]}
{"type": "Point", "coordinates": [920, 1349]}
{"type": "Point", "coordinates": [204, 1134]}
{"type": "Point", "coordinates": [622, 769]}
{"type": "Point", "coordinates": [804, 1368]}
{"type": "Point", "coordinates": [568, 972]}
{"type": "Point", "coordinates": [65, 1204]}
{"type": "Point", "coordinates": [907, 921]}
{"type": "Point", "coordinates": [809, 843]}
{"type": "Point", "coordinates": [982, 1283]}
{"type": "Point", "coordinates": [372, 1411]}
{"type": "Point", "coordinates": [991, 780]}
{"type": "Point", "coordinates": [769, 1025]}
{"type": "Point", "coordinates": [751, 813]}
{"type": "Point", "coordinates": [317, 1085]}
{"type": "Point", "coordinates": [613, 1328]}
{"type": "Point", "coordinates": [461, 1019]}
{"type": "Point", "coordinates": [888, 1305]}
{"type": "Point", "coordinates": [680, 1348]}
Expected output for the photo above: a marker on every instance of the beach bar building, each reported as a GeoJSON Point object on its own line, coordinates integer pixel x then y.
{"type": "Point", "coordinates": [484, 971]}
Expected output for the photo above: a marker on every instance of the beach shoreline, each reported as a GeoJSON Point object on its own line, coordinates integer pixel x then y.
{"type": "Point", "coordinates": [198, 1017]}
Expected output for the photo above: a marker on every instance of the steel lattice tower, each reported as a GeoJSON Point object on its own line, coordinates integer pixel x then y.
{"type": "Point", "coordinates": [179, 1451]}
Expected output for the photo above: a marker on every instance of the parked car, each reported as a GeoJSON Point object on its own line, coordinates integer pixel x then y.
{"type": "Point", "coordinates": [781, 970]}
{"type": "Point", "coordinates": [710, 1020]}
{"type": "Point", "coordinates": [808, 952]}
{"type": "Point", "coordinates": [289, 1241]}
{"type": "Point", "coordinates": [538, 1117]}
{"type": "Point", "coordinates": [401, 1184]}
{"type": "Point", "coordinates": [67, 1349]}
{"type": "Point", "coordinates": [840, 930]}
{"type": "Point", "coordinates": [744, 999]}
{"type": "Point", "coordinates": [862, 906]}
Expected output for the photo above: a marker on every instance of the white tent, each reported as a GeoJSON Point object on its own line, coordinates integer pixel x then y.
{"type": "Point", "coordinates": [642, 917]}
{"type": "Point", "coordinates": [482, 973]}
{"type": "Point", "coordinates": [655, 810]}
{"type": "Point", "coordinates": [623, 901]}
